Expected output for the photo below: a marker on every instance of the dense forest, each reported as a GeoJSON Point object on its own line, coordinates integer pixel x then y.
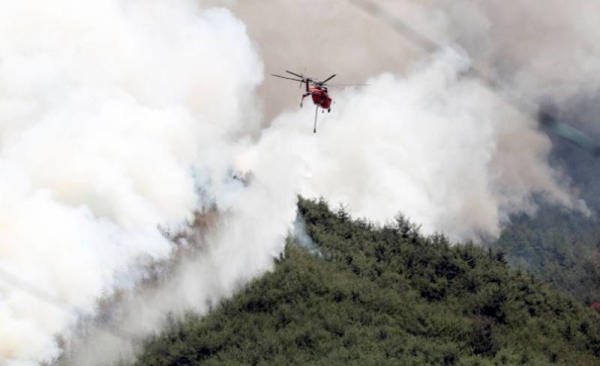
{"type": "Point", "coordinates": [560, 246]}
{"type": "Point", "coordinates": [385, 295]}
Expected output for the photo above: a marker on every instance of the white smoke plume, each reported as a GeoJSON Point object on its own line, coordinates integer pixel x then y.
{"type": "Point", "coordinates": [120, 116]}
{"type": "Point", "coordinates": [106, 107]}
{"type": "Point", "coordinates": [445, 150]}
{"type": "Point", "coordinates": [301, 237]}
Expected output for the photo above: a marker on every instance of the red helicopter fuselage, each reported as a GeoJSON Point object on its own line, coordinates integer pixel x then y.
{"type": "Point", "coordinates": [316, 89]}
{"type": "Point", "coordinates": [319, 95]}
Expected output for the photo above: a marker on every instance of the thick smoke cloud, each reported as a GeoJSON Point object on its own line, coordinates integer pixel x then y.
{"type": "Point", "coordinates": [120, 116]}
{"type": "Point", "coordinates": [106, 107]}
{"type": "Point", "coordinates": [544, 48]}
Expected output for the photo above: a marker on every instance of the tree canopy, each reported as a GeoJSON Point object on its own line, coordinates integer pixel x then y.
{"type": "Point", "coordinates": [384, 295]}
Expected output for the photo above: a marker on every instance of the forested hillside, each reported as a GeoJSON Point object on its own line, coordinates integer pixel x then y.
{"type": "Point", "coordinates": [385, 296]}
{"type": "Point", "coordinates": [562, 247]}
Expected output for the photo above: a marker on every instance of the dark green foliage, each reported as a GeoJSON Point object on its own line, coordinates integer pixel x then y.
{"type": "Point", "coordinates": [562, 248]}
{"type": "Point", "coordinates": [385, 296]}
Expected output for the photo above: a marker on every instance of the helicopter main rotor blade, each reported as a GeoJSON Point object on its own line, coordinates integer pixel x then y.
{"type": "Point", "coordinates": [293, 73]}
{"type": "Point", "coordinates": [345, 85]}
{"type": "Point", "coordinates": [285, 77]}
{"type": "Point", "coordinates": [326, 80]}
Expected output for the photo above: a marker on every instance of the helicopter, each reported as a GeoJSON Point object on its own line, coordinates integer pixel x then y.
{"type": "Point", "coordinates": [316, 89]}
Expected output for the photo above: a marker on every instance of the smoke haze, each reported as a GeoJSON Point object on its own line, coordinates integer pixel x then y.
{"type": "Point", "coordinates": [103, 116]}
{"type": "Point", "coordinates": [120, 116]}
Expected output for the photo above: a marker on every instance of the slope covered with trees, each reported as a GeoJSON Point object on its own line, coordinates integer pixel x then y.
{"type": "Point", "coordinates": [560, 246]}
{"type": "Point", "coordinates": [385, 296]}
